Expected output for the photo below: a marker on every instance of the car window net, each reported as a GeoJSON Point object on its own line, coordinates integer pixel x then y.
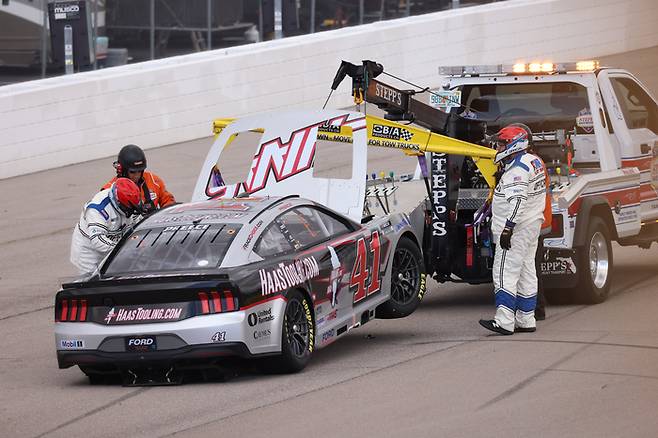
{"type": "Point", "coordinates": [173, 248]}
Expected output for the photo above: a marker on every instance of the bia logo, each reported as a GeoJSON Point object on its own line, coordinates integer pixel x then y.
{"type": "Point", "coordinates": [391, 132]}
{"type": "Point", "coordinates": [282, 159]}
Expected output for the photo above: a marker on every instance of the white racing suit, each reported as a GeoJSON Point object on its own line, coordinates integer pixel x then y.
{"type": "Point", "coordinates": [101, 226]}
{"type": "Point", "coordinates": [519, 201]}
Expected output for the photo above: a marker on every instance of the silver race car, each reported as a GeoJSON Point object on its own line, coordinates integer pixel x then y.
{"type": "Point", "coordinates": [258, 275]}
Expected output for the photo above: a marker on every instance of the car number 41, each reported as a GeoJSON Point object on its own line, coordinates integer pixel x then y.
{"type": "Point", "coordinates": [360, 271]}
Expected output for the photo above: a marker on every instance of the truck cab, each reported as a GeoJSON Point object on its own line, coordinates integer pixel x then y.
{"type": "Point", "coordinates": [597, 131]}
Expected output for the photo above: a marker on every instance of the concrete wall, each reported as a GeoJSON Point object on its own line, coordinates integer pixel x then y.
{"type": "Point", "coordinates": [59, 121]}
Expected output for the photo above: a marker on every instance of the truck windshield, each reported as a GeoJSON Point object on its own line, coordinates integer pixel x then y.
{"type": "Point", "coordinates": [173, 248]}
{"type": "Point", "coordinates": [548, 105]}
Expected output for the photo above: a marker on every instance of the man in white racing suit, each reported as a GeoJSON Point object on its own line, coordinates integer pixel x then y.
{"type": "Point", "coordinates": [518, 212]}
{"type": "Point", "coordinates": [103, 222]}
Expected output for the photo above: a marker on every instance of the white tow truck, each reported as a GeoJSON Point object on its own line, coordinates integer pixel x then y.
{"type": "Point", "coordinates": [597, 130]}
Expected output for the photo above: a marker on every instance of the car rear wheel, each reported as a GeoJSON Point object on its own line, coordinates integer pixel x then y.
{"type": "Point", "coordinates": [408, 282]}
{"type": "Point", "coordinates": [297, 337]}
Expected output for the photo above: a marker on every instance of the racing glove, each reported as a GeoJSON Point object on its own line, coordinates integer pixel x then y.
{"type": "Point", "coordinates": [506, 235]}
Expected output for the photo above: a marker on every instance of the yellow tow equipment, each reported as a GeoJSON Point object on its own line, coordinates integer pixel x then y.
{"type": "Point", "coordinates": [409, 139]}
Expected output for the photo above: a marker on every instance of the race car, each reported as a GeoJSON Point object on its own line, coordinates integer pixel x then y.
{"type": "Point", "coordinates": [253, 276]}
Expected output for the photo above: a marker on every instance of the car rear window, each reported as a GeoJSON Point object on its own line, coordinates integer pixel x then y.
{"type": "Point", "coordinates": [173, 248]}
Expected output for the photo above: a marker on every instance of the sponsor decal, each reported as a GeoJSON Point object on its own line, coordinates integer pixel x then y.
{"type": "Point", "coordinates": [287, 275]}
{"type": "Point", "coordinates": [196, 217]}
{"type": "Point", "coordinates": [389, 94]}
{"type": "Point", "coordinates": [252, 233]}
{"type": "Point", "coordinates": [71, 344]}
{"type": "Point", "coordinates": [403, 223]}
{"type": "Point", "coordinates": [439, 194]}
{"type": "Point", "coordinates": [260, 317]}
{"type": "Point", "coordinates": [422, 288]}
{"type": "Point", "coordinates": [124, 315]}
{"type": "Point", "coordinates": [393, 144]}
{"type": "Point", "coordinates": [336, 275]}
{"type": "Point", "coordinates": [327, 126]}
{"type": "Point", "coordinates": [584, 120]}
{"type": "Point", "coordinates": [328, 336]}
{"type": "Point", "coordinates": [391, 133]}
{"type": "Point", "coordinates": [141, 343]}
{"type": "Point", "coordinates": [311, 328]}
{"type": "Point", "coordinates": [283, 160]}
{"type": "Point", "coordinates": [325, 319]}
{"type": "Point", "coordinates": [559, 266]}
{"type": "Point", "coordinates": [172, 228]}
{"type": "Point", "coordinates": [262, 334]}
{"type": "Point", "coordinates": [335, 137]}
{"type": "Point", "coordinates": [218, 337]}
{"type": "Point", "coordinates": [66, 11]}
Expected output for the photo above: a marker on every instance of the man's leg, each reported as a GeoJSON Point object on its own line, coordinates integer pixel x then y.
{"type": "Point", "coordinates": [526, 299]}
{"type": "Point", "coordinates": [506, 271]}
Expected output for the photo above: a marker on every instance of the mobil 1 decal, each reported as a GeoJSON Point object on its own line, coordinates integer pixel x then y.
{"type": "Point", "coordinates": [366, 276]}
{"type": "Point", "coordinates": [439, 184]}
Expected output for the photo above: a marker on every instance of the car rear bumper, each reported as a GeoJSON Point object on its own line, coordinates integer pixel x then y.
{"type": "Point", "coordinates": [190, 353]}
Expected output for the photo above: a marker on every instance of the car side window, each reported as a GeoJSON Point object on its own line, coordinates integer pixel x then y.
{"type": "Point", "coordinates": [305, 227]}
{"type": "Point", "coordinates": [272, 242]}
{"type": "Point", "coordinates": [638, 107]}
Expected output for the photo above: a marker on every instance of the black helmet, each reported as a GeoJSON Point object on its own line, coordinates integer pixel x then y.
{"type": "Point", "coordinates": [131, 159]}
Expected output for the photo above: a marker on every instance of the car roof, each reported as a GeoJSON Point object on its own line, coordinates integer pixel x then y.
{"type": "Point", "coordinates": [219, 210]}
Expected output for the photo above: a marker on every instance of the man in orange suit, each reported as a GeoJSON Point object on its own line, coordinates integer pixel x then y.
{"type": "Point", "coordinates": [131, 163]}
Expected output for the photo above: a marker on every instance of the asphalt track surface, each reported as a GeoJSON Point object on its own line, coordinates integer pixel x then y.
{"type": "Point", "coordinates": [587, 371]}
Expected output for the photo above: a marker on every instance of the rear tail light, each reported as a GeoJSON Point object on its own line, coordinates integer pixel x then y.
{"type": "Point", "coordinates": [217, 302]}
{"type": "Point", "coordinates": [557, 227]}
{"type": "Point", "coordinates": [71, 310]}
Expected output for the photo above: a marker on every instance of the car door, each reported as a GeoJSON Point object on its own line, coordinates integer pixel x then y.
{"type": "Point", "coordinates": [634, 117]}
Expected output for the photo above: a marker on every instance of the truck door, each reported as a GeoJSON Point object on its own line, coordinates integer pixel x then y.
{"type": "Point", "coordinates": [634, 117]}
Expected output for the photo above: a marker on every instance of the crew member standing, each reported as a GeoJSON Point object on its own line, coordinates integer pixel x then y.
{"type": "Point", "coordinates": [518, 212]}
{"type": "Point", "coordinates": [131, 163]}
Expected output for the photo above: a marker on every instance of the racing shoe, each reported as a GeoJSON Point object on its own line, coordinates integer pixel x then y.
{"type": "Point", "coordinates": [491, 324]}
{"type": "Point", "coordinates": [525, 329]}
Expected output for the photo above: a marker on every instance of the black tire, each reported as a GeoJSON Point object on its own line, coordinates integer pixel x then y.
{"type": "Point", "coordinates": [595, 264]}
{"type": "Point", "coordinates": [297, 337]}
{"type": "Point", "coordinates": [408, 283]}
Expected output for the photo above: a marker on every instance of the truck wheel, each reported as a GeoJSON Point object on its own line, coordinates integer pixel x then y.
{"type": "Point", "coordinates": [595, 263]}
{"type": "Point", "coordinates": [407, 282]}
{"type": "Point", "coordinates": [297, 337]}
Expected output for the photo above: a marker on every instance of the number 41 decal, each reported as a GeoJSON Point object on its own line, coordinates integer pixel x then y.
{"type": "Point", "coordinates": [360, 271]}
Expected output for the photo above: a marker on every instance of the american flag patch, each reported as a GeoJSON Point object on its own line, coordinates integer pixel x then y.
{"type": "Point", "coordinates": [517, 178]}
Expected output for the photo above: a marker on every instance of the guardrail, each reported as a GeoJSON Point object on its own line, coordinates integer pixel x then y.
{"type": "Point", "coordinates": [54, 122]}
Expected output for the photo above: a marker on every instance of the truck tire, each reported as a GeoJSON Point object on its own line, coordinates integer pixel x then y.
{"type": "Point", "coordinates": [595, 263]}
{"type": "Point", "coordinates": [408, 282]}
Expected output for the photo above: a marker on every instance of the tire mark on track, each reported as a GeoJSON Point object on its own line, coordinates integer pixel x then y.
{"type": "Point", "coordinates": [311, 391]}
{"type": "Point", "coordinates": [525, 382]}
{"type": "Point", "coordinates": [27, 312]}
{"type": "Point", "coordinates": [604, 373]}
{"type": "Point", "coordinates": [95, 411]}
{"type": "Point", "coordinates": [36, 236]}
{"type": "Point", "coordinates": [625, 289]}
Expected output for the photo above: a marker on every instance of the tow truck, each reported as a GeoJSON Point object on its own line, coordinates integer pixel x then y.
{"type": "Point", "coordinates": [596, 128]}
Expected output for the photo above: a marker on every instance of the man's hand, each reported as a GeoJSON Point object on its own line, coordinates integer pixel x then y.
{"type": "Point", "coordinates": [506, 235]}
